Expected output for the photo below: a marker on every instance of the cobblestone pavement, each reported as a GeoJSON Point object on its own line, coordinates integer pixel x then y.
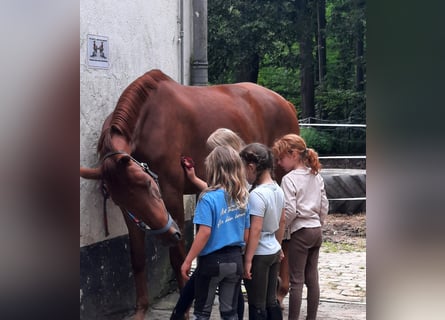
{"type": "Point", "coordinates": [342, 290]}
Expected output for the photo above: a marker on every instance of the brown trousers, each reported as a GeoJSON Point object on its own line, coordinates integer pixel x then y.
{"type": "Point", "coordinates": [304, 249]}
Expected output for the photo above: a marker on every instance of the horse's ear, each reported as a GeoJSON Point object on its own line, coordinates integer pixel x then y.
{"type": "Point", "coordinates": [91, 173]}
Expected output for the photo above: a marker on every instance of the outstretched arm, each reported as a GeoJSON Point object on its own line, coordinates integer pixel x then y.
{"type": "Point", "coordinates": [198, 182]}
{"type": "Point", "coordinates": [90, 173]}
{"type": "Point", "coordinates": [199, 243]}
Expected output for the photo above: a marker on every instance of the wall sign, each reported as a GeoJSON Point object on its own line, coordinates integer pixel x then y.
{"type": "Point", "coordinates": [98, 52]}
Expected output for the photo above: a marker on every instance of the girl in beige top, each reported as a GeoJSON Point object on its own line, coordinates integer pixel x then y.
{"type": "Point", "coordinates": [306, 206]}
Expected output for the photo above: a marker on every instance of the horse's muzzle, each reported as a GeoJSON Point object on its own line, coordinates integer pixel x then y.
{"type": "Point", "coordinates": [172, 236]}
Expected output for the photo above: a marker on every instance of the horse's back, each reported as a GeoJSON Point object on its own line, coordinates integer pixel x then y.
{"type": "Point", "coordinates": [253, 111]}
{"type": "Point", "coordinates": [176, 120]}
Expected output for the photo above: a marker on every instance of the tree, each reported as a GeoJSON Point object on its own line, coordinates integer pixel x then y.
{"type": "Point", "coordinates": [359, 9]}
{"type": "Point", "coordinates": [304, 26]}
{"type": "Point", "coordinates": [321, 40]}
{"type": "Point", "coordinates": [310, 51]}
{"type": "Point", "coordinates": [240, 34]}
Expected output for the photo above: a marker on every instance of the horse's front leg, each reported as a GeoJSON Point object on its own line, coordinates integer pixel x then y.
{"type": "Point", "coordinates": [137, 252]}
{"type": "Point", "coordinates": [177, 253]}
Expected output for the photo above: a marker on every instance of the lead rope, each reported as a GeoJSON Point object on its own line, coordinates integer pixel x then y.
{"type": "Point", "coordinates": [106, 195]}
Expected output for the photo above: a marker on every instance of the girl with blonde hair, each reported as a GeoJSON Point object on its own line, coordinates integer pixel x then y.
{"type": "Point", "coordinates": [222, 218]}
{"type": "Point", "coordinates": [219, 137]}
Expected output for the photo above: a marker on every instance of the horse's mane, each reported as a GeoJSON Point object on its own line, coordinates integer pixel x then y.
{"type": "Point", "coordinates": [130, 102]}
{"type": "Point", "coordinates": [128, 107]}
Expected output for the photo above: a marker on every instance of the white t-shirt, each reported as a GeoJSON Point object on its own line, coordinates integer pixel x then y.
{"type": "Point", "coordinates": [267, 201]}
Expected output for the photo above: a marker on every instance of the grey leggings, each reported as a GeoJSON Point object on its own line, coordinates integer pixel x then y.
{"type": "Point", "coordinates": [222, 269]}
{"type": "Point", "coordinates": [304, 249]}
{"type": "Point", "coordinates": [262, 288]}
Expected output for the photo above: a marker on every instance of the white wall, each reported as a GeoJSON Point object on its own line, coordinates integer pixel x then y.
{"type": "Point", "coordinates": [142, 35]}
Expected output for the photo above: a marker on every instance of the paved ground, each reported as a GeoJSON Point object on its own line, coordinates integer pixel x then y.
{"type": "Point", "coordinates": [342, 284]}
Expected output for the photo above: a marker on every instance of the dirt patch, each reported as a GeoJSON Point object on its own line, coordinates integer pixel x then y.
{"type": "Point", "coordinates": [344, 229]}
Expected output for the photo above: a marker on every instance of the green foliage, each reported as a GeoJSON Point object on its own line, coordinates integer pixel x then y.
{"type": "Point", "coordinates": [270, 30]}
{"type": "Point", "coordinates": [237, 31]}
{"type": "Point", "coordinates": [341, 105]}
{"type": "Point", "coordinates": [318, 140]}
{"type": "Point", "coordinates": [348, 141]}
{"type": "Point", "coordinates": [335, 141]}
{"type": "Point", "coordinates": [344, 18]}
{"type": "Point", "coordinates": [281, 80]}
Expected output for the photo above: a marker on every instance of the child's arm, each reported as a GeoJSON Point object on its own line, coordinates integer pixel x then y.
{"type": "Point", "coordinates": [189, 166]}
{"type": "Point", "coordinates": [280, 232]}
{"type": "Point", "coordinates": [191, 175]}
{"type": "Point", "coordinates": [256, 225]}
{"type": "Point", "coordinates": [199, 243]}
{"type": "Point", "coordinates": [324, 208]}
{"type": "Point", "coordinates": [290, 199]}
{"type": "Point", "coordinates": [246, 235]}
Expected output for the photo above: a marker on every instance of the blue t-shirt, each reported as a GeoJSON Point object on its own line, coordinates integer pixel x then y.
{"type": "Point", "coordinates": [228, 221]}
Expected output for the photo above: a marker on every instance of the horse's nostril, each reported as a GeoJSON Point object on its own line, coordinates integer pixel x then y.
{"type": "Point", "coordinates": [178, 235]}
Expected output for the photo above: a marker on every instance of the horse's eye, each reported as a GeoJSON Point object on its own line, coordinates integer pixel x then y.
{"type": "Point", "coordinates": [123, 161]}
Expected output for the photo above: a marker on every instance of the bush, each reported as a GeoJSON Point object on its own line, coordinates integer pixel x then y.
{"type": "Point", "coordinates": [318, 140]}
{"type": "Point", "coordinates": [341, 105]}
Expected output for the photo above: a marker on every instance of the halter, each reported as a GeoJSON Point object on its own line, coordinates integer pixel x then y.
{"type": "Point", "coordinates": [141, 224]}
{"type": "Point", "coordinates": [143, 165]}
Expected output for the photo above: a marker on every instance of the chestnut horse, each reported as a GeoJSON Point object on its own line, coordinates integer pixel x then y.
{"type": "Point", "coordinates": [156, 121]}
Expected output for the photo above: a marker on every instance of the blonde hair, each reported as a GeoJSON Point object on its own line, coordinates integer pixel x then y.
{"type": "Point", "coordinates": [224, 137]}
{"type": "Point", "coordinates": [293, 142]}
{"type": "Point", "coordinates": [225, 170]}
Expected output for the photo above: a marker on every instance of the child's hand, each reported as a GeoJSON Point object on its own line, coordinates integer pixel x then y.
{"type": "Point", "coordinates": [247, 270]}
{"type": "Point", "coordinates": [187, 162]}
{"type": "Point", "coordinates": [281, 255]}
{"type": "Point", "coordinates": [185, 270]}
{"type": "Point", "coordinates": [191, 175]}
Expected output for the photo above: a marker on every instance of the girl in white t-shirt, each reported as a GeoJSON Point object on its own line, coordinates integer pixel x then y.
{"type": "Point", "coordinates": [263, 250]}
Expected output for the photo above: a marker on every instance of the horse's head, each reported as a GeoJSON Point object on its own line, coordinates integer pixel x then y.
{"type": "Point", "coordinates": [132, 187]}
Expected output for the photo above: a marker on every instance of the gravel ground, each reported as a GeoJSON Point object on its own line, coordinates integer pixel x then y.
{"type": "Point", "coordinates": [342, 268]}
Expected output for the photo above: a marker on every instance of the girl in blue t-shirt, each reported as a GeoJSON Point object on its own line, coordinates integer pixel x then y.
{"type": "Point", "coordinates": [223, 221]}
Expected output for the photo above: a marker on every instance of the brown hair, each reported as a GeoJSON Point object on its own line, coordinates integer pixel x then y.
{"type": "Point", "coordinates": [293, 142]}
{"type": "Point", "coordinates": [261, 156]}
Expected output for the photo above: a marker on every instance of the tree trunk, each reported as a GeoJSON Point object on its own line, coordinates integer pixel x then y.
{"type": "Point", "coordinates": [248, 69]}
{"type": "Point", "coordinates": [321, 40]}
{"type": "Point", "coordinates": [307, 77]}
{"type": "Point", "coordinates": [359, 48]}
{"type": "Point", "coordinates": [305, 31]}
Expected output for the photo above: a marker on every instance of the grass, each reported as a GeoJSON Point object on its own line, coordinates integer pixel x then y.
{"type": "Point", "coordinates": [331, 247]}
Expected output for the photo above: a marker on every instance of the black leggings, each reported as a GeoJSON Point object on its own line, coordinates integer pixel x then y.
{"type": "Point", "coordinates": [262, 288]}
